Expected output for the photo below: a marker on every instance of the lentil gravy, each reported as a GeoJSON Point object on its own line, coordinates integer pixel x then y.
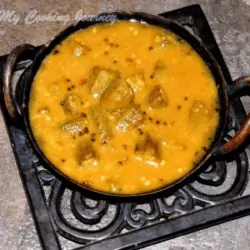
{"type": "Point", "coordinates": [124, 108]}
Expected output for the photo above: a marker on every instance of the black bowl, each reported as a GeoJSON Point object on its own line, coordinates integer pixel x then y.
{"type": "Point", "coordinates": [21, 114]}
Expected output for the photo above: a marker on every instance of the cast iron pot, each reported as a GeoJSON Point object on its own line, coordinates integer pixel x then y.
{"type": "Point", "coordinates": [20, 114]}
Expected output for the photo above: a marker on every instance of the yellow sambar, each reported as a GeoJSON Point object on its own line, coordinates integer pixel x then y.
{"type": "Point", "coordinates": [124, 108]}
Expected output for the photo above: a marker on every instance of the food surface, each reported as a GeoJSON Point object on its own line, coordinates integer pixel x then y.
{"type": "Point", "coordinates": [124, 108]}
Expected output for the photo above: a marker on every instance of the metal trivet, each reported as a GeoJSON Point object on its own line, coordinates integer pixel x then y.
{"type": "Point", "coordinates": [65, 219]}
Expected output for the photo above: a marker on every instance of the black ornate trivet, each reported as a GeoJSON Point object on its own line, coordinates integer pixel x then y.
{"type": "Point", "coordinates": [65, 219]}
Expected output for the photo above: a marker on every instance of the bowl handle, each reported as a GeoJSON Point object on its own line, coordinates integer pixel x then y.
{"type": "Point", "coordinates": [8, 90]}
{"type": "Point", "coordinates": [241, 87]}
